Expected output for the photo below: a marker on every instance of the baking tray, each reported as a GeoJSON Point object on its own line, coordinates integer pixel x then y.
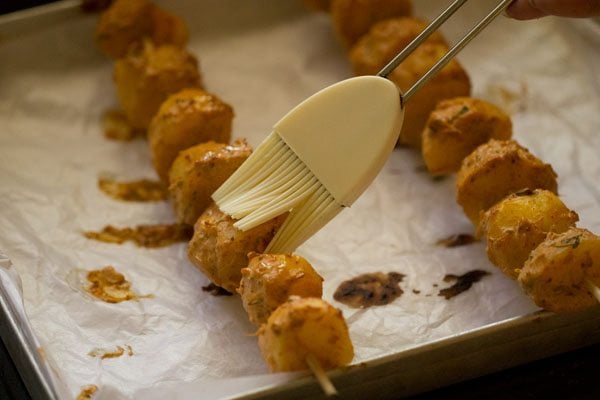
{"type": "Point", "coordinates": [471, 353]}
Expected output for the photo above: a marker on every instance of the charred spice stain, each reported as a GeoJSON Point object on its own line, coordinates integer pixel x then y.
{"type": "Point", "coordinates": [103, 353]}
{"type": "Point", "coordinates": [143, 190]}
{"type": "Point", "coordinates": [462, 283]}
{"type": "Point", "coordinates": [87, 392]}
{"type": "Point", "coordinates": [372, 289]}
{"type": "Point", "coordinates": [459, 239]}
{"type": "Point", "coordinates": [215, 290]}
{"type": "Point", "coordinates": [159, 235]}
{"type": "Point", "coordinates": [108, 285]}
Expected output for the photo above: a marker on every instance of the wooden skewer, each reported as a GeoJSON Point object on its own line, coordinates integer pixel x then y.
{"type": "Point", "coordinates": [321, 376]}
{"type": "Point", "coordinates": [595, 290]}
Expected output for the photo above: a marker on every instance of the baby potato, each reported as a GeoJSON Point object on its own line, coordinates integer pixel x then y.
{"type": "Point", "coordinates": [220, 250]}
{"type": "Point", "coordinates": [198, 171]}
{"type": "Point", "coordinates": [145, 78]}
{"type": "Point", "coordinates": [318, 5]}
{"type": "Point", "coordinates": [384, 40]}
{"type": "Point", "coordinates": [185, 119]}
{"type": "Point", "coordinates": [301, 327]}
{"type": "Point", "coordinates": [167, 28]}
{"type": "Point", "coordinates": [353, 18]}
{"type": "Point", "coordinates": [495, 170]}
{"type": "Point", "coordinates": [451, 81]}
{"type": "Point", "coordinates": [270, 279]}
{"type": "Point", "coordinates": [557, 274]}
{"type": "Point", "coordinates": [519, 223]}
{"type": "Point", "coordinates": [123, 24]}
{"type": "Point", "coordinates": [456, 127]}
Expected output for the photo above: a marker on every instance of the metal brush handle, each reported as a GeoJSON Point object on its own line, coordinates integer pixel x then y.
{"type": "Point", "coordinates": [432, 27]}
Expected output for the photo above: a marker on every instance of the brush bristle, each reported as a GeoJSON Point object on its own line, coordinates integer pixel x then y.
{"type": "Point", "coordinates": [271, 182]}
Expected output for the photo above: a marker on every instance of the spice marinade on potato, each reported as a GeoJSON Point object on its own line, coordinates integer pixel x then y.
{"type": "Point", "coordinates": [187, 118]}
{"type": "Point", "coordinates": [458, 126]}
{"type": "Point", "coordinates": [146, 77]}
{"type": "Point", "coordinates": [270, 279]}
{"type": "Point", "coordinates": [198, 171]}
{"type": "Point", "coordinates": [519, 223]}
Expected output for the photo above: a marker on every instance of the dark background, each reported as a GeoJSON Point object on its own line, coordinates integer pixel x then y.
{"type": "Point", "coordinates": [574, 375]}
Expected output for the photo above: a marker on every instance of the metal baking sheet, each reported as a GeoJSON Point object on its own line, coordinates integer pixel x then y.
{"type": "Point", "coordinates": [483, 345]}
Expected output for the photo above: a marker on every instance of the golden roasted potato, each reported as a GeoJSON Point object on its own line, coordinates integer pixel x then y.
{"type": "Point", "coordinates": [123, 24]}
{"type": "Point", "coordinates": [384, 40]}
{"type": "Point", "coordinates": [270, 279]}
{"type": "Point", "coordinates": [519, 223]}
{"type": "Point", "coordinates": [221, 251]}
{"type": "Point", "coordinates": [495, 170]}
{"type": "Point", "coordinates": [318, 5]}
{"type": "Point", "coordinates": [301, 327]}
{"type": "Point", "coordinates": [558, 271]}
{"type": "Point", "coordinates": [451, 81]}
{"type": "Point", "coordinates": [353, 18]}
{"type": "Point", "coordinates": [167, 28]}
{"type": "Point", "coordinates": [198, 171]}
{"type": "Point", "coordinates": [185, 119]}
{"type": "Point", "coordinates": [456, 127]}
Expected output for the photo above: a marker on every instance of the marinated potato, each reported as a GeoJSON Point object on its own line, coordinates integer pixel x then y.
{"type": "Point", "coordinates": [167, 28]}
{"type": "Point", "coordinates": [384, 40]}
{"type": "Point", "coordinates": [353, 18]}
{"type": "Point", "coordinates": [451, 81]}
{"type": "Point", "coordinates": [318, 5]}
{"type": "Point", "coordinates": [270, 279]}
{"type": "Point", "coordinates": [123, 24]}
{"type": "Point", "coordinates": [198, 171]}
{"type": "Point", "coordinates": [495, 170]}
{"type": "Point", "coordinates": [220, 250]}
{"type": "Point", "coordinates": [185, 119]}
{"type": "Point", "coordinates": [557, 273]}
{"type": "Point", "coordinates": [302, 327]}
{"type": "Point", "coordinates": [145, 78]}
{"type": "Point", "coordinates": [456, 127]}
{"type": "Point", "coordinates": [519, 223]}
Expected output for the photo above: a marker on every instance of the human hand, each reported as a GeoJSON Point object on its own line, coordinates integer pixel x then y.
{"type": "Point", "coordinates": [530, 9]}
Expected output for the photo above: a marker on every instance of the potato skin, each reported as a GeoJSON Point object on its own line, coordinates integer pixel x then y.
{"type": "Point", "coordinates": [270, 279]}
{"type": "Point", "coordinates": [384, 40]}
{"type": "Point", "coordinates": [456, 127]}
{"type": "Point", "coordinates": [198, 171]}
{"type": "Point", "coordinates": [167, 28]}
{"type": "Point", "coordinates": [303, 326]}
{"type": "Point", "coordinates": [220, 250]}
{"type": "Point", "coordinates": [555, 274]}
{"type": "Point", "coordinates": [145, 78]}
{"type": "Point", "coordinates": [123, 24]}
{"type": "Point", "coordinates": [353, 18]}
{"type": "Point", "coordinates": [451, 81]}
{"type": "Point", "coordinates": [185, 119]}
{"type": "Point", "coordinates": [495, 170]}
{"type": "Point", "coordinates": [519, 223]}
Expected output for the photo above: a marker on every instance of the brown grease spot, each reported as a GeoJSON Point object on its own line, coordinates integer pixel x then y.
{"type": "Point", "coordinates": [366, 290]}
{"type": "Point", "coordinates": [110, 286]}
{"type": "Point", "coordinates": [116, 127]}
{"type": "Point", "coordinates": [87, 392]}
{"type": "Point", "coordinates": [216, 290]}
{"type": "Point", "coordinates": [140, 190]}
{"type": "Point", "coordinates": [460, 239]}
{"type": "Point", "coordinates": [144, 235]}
{"type": "Point", "coordinates": [102, 354]}
{"type": "Point", "coordinates": [462, 283]}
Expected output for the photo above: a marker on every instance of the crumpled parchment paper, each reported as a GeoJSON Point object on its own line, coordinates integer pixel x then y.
{"type": "Point", "coordinates": [263, 57]}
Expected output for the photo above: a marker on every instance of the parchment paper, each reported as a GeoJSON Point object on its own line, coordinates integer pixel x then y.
{"type": "Point", "coordinates": [263, 57]}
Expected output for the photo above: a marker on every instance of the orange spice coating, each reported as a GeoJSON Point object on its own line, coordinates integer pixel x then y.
{"type": "Point", "coordinates": [145, 78]}
{"type": "Point", "coordinates": [185, 119]}
{"type": "Point", "coordinates": [353, 18]}
{"type": "Point", "coordinates": [456, 127]}
{"type": "Point", "coordinates": [220, 250]}
{"type": "Point", "coordinates": [451, 81]}
{"type": "Point", "coordinates": [556, 274]}
{"type": "Point", "coordinates": [384, 40]}
{"type": "Point", "coordinates": [167, 28]}
{"type": "Point", "coordinates": [495, 170]}
{"type": "Point", "coordinates": [302, 327]}
{"type": "Point", "coordinates": [318, 5]}
{"type": "Point", "coordinates": [198, 171]}
{"type": "Point", "coordinates": [270, 279]}
{"type": "Point", "coordinates": [519, 223]}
